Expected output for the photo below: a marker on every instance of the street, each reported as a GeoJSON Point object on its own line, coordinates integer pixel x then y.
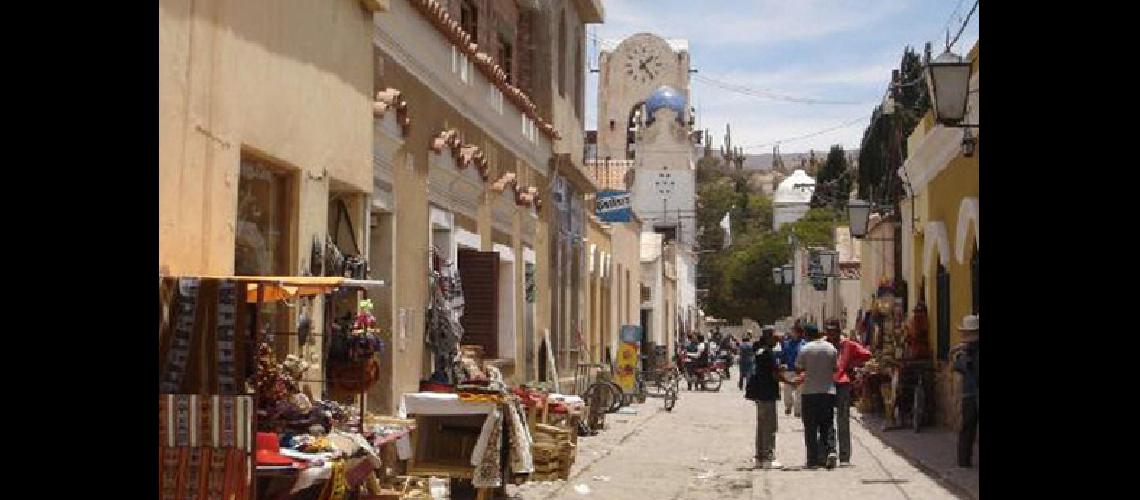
{"type": "Point", "coordinates": [703, 450]}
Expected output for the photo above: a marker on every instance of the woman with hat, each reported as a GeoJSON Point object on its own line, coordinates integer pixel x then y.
{"type": "Point", "coordinates": [966, 357]}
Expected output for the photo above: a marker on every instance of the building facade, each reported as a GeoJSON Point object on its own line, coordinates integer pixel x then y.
{"type": "Point", "coordinates": [941, 235]}
{"type": "Point", "coordinates": [253, 172]}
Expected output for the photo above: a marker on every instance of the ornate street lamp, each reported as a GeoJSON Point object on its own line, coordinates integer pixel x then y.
{"type": "Point", "coordinates": [948, 79]}
{"type": "Point", "coordinates": [789, 274]}
{"type": "Point", "coordinates": [827, 259]}
{"type": "Point", "coordinates": [859, 211]}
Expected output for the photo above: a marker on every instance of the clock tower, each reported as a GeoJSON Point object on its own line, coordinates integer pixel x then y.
{"type": "Point", "coordinates": [628, 75]}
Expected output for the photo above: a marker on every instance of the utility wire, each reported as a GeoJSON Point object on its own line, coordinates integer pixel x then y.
{"type": "Point", "coordinates": [806, 136]}
{"type": "Point", "coordinates": [741, 89]}
{"type": "Point", "coordinates": [964, 23]}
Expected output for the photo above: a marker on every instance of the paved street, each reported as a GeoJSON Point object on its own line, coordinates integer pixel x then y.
{"type": "Point", "coordinates": [702, 450]}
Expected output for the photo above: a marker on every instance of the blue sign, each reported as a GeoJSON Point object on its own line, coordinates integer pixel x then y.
{"type": "Point", "coordinates": [630, 333]}
{"type": "Point", "coordinates": [613, 206]}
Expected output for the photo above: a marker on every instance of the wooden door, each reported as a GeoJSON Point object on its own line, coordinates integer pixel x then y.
{"type": "Point", "coordinates": [479, 272]}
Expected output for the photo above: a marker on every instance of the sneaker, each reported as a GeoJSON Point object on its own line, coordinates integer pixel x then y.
{"type": "Point", "coordinates": [831, 459]}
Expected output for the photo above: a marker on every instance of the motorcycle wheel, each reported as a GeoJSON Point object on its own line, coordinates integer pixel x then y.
{"type": "Point", "coordinates": [712, 381]}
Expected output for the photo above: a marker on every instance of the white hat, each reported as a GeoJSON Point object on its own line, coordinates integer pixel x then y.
{"type": "Point", "coordinates": [969, 324]}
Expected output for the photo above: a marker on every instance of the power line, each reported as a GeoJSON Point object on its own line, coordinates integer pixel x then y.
{"type": "Point", "coordinates": [768, 94]}
{"type": "Point", "coordinates": [964, 23]}
{"type": "Point", "coordinates": [841, 125]}
{"type": "Point", "coordinates": [950, 18]}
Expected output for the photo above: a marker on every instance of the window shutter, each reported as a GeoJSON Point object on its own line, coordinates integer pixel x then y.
{"type": "Point", "coordinates": [479, 272]}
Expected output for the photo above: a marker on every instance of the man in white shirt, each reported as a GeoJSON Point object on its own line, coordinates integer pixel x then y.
{"type": "Point", "coordinates": [816, 362]}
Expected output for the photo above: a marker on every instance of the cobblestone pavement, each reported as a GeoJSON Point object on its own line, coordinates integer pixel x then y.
{"type": "Point", "coordinates": [703, 449]}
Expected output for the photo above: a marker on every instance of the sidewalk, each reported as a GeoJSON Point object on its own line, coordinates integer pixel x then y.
{"type": "Point", "coordinates": [591, 449]}
{"type": "Point", "coordinates": [934, 450]}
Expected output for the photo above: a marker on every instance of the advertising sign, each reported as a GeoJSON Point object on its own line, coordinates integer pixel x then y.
{"type": "Point", "coordinates": [625, 375]}
{"type": "Point", "coordinates": [613, 206]}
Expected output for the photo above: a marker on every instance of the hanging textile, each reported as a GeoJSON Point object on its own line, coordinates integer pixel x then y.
{"type": "Point", "coordinates": [521, 441]}
{"type": "Point", "coordinates": [204, 446]}
{"type": "Point", "coordinates": [200, 347]}
{"type": "Point", "coordinates": [178, 358]}
{"type": "Point", "coordinates": [444, 331]}
{"type": "Point", "coordinates": [488, 453]}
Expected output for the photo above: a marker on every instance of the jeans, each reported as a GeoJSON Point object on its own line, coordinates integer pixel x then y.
{"type": "Point", "coordinates": [745, 372]}
{"type": "Point", "coordinates": [791, 394]}
{"type": "Point", "coordinates": [766, 431]}
{"type": "Point", "coordinates": [843, 420]}
{"type": "Point", "coordinates": [819, 427]}
{"type": "Point", "coordinates": [969, 430]}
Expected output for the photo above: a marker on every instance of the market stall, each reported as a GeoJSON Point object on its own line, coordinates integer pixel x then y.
{"type": "Point", "coordinates": [234, 419]}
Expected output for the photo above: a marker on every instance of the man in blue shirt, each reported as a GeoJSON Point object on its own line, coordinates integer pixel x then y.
{"type": "Point", "coordinates": [747, 361]}
{"type": "Point", "coordinates": [789, 350]}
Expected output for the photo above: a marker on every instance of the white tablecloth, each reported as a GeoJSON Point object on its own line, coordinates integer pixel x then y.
{"type": "Point", "coordinates": [433, 403]}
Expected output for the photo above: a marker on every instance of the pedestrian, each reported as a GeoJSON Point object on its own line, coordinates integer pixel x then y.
{"type": "Point", "coordinates": [851, 355]}
{"type": "Point", "coordinates": [788, 352]}
{"type": "Point", "coordinates": [728, 347]}
{"type": "Point", "coordinates": [817, 362]}
{"type": "Point", "coordinates": [764, 390]}
{"type": "Point", "coordinates": [966, 362]}
{"type": "Point", "coordinates": [692, 350]}
{"type": "Point", "coordinates": [747, 358]}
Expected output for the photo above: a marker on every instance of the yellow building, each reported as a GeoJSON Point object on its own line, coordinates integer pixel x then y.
{"type": "Point", "coordinates": [253, 166]}
{"type": "Point", "coordinates": [940, 236]}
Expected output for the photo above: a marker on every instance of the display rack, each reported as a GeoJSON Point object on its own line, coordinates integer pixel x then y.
{"type": "Point", "coordinates": [262, 289]}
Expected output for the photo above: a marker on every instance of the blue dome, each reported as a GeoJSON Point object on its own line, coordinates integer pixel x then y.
{"type": "Point", "coordinates": [665, 97]}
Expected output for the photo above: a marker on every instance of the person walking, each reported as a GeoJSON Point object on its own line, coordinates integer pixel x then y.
{"type": "Point", "coordinates": [764, 390]}
{"type": "Point", "coordinates": [966, 362]}
{"type": "Point", "coordinates": [789, 350]}
{"type": "Point", "coordinates": [692, 350]}
{"type": "Point", "coordinates": [851, 355]}
{"type": "Point", "coordinates": [817, 362]}
{"type": "Point", "coordinates": [747, 358]}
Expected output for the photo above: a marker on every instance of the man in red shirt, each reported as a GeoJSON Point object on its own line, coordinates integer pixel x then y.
{"type": "Point", "coordinates": [851, 355]}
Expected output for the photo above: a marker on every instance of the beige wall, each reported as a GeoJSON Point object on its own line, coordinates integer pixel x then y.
{"type": "Point", "coordinates": [626, 298]}
{"type": "Point", "coordinates": [290, 80]}
{"type": "Point", "coordinates": [415, 58]}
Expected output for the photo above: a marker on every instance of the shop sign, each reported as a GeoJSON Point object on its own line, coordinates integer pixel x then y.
{"type": "Point", "coordinates": [613, 206]}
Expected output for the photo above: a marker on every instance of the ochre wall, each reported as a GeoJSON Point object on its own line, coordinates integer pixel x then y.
{"type": "Point", "coordinates": [288, 79]}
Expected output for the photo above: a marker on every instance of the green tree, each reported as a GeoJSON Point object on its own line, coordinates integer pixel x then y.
{"type": "Point", "coordinates": [883, 149]}
{"type": "Point", "coordinates": [833, 183]}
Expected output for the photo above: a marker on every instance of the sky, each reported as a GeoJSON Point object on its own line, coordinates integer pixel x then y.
{"type": "Point", "coordinates": [825, 50]}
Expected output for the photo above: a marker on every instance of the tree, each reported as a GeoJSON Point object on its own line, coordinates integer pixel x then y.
{"type": "Point", "coordinates": [833, 185]}
{"type": "Point", "coordinates": [883, 149]}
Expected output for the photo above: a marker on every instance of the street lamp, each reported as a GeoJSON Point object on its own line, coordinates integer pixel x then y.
{"type": "Point", "coordinates": [859, 211]}
{"type": "Point", "coordinates": [789, 274]}
{"type": "Point", "coordinates": [827, 260]}
{"type": "Point", "coordinates": [948, 78]}
{"type": "Point", "coordinates": [778, 275]}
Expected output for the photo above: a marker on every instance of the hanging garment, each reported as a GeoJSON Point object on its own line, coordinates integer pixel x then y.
{"type": "Point", "coordinates": [488, 453]}
{"type": "Point", "coordinates": [521, 441]}
{"type": "Point", "coordinates": [178, 355]}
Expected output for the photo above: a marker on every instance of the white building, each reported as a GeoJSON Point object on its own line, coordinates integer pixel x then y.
{"type": "Point", "coordinates": [792, 199]}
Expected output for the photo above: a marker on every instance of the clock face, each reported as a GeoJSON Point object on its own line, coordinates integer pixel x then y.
{"type": "Point", "coordinates": [646, 63]}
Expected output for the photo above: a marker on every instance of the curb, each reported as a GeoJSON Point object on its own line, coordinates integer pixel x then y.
{"type": "Point", "coordinates": [918, 463]}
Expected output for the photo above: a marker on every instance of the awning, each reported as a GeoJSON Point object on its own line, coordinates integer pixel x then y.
{"type": "Point", "coordinates": [277, 288]}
